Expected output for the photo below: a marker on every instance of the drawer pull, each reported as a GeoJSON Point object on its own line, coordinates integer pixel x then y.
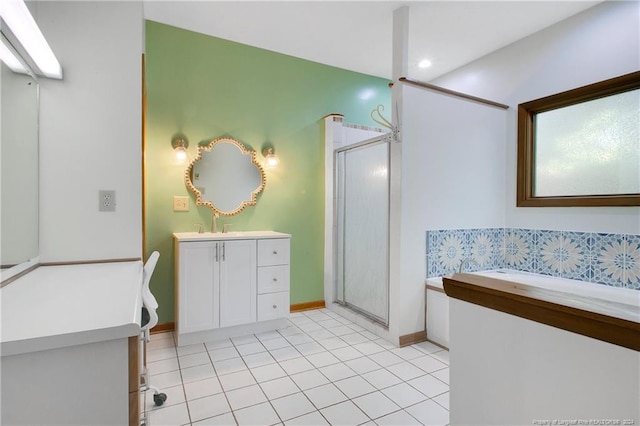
{"type": "Point", "coordinates": [275, 306]}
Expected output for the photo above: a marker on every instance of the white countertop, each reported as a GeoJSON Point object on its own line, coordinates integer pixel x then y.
{"type": "Point", "coordinates": [434, 283]}
{"type": "Point", "coordinates": [240, 235]}
{"type": "Point", "coordinates": [58, 306]}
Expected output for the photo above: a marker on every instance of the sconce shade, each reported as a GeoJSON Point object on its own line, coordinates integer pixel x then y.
{"type": "Point", "coordinates": [271, 160]}
{"type": "Point", "coordinates": [180, 149]}
{"type": "Point", "coordinates": [181, 154]}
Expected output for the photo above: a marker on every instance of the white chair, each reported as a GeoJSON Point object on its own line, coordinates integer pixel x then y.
{"type": "Point", "coordinates": [149, 320]}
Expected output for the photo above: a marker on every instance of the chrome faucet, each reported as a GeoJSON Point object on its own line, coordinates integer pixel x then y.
{"type": "Point", "coordinates": [214, 223]}
{"type": "Point", "coordinates": [225, 228]}
{"type": "Point", "coordinates": [465, 262]}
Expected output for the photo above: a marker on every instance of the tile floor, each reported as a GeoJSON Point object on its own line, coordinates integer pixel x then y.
{"type": "Point", "coordinates": [322, 369]}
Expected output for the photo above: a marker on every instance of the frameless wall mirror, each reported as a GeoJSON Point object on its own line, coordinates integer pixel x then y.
{"type": "Point", "coordinates": [24, 53]}
{"type": "Point", "coordinates": [225, 176]}
{"type": "Point", "coordinates": [19, 169]}
{"type": "Point", "coordinates": [581, 147]}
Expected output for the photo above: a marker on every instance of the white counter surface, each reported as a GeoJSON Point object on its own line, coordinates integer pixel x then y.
{"type": "Point", "coordinates": [434, 283]}
{"type": "Point", "coordinates": [59, 306]}
{"type": "Point", "coordinates": [240, 235]}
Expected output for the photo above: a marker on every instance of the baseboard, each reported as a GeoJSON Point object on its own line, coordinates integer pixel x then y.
{"type": "Point", "coordinates": [437, 344]}
{"type": "Point", "coordinates": [297, 307]}
{"type": "Point", "coordinates": [410, 339]}
{"type": "Point", "coordinates": [307, 306]}
{"type": "Point", "coordinates": [164, 327]}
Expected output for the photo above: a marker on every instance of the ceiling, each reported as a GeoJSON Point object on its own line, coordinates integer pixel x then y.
{"type": "Point", "coordinates": [357, 35]}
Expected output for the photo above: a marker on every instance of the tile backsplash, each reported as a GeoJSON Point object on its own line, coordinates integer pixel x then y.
{"type": "Point", "coordinates": [611, 259]}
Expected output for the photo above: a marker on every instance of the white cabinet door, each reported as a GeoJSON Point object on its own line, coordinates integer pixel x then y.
{"type": "Point", "coordinates": [237, 262]}
{"type": "Point", "coordinates": [198, 286]}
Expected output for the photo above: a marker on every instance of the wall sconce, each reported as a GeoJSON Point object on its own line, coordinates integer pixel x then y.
{"type": "Point", "coordinates": [271, 160]}
{"type": "Point", "coordinates": [23, 33]}
{"type": "Point", "coordinates": [180, 149]}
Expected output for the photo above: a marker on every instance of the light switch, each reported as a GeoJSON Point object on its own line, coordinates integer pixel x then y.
{"type": "Point", "coordinates": [180, 203]}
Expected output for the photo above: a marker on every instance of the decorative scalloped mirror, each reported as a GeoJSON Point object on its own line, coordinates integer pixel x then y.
{"type": "Point", "coordinates": [225, 176]}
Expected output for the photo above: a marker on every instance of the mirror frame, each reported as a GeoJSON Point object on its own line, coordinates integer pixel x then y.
{"type": "Point", "coordinates": [188, 174]}
{"type": "Point", "coordinates": [527, 111]}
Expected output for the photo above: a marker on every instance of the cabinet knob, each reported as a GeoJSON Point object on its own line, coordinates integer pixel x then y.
{"type": "Point", "coordinates": [275, 306]}
{"type": "Point", "coordinates": [275, 252]}
{"type": "Point", "coordinates": [275, 279]}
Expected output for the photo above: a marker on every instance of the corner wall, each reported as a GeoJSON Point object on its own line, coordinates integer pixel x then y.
{"type": "Point", "coordinates": [205, 87]}
{"type": "Point", "coordinates": [597, 44]}
{"type": "Point", "coordinates": [452, 176]}
{"type": "Point", "coordinates": [90, 131]}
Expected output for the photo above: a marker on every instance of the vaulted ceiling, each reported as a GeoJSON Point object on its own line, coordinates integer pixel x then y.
{"type": "Point", "coordinates": [357, 35]}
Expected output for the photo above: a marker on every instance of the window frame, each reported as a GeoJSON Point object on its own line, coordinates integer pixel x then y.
{"type": "Point", "coordinates": [526, 144]}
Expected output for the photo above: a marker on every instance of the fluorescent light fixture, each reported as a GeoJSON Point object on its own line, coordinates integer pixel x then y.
{"type": "Point", "coordinates": [23, 27]}
{"type": "Point", "coordinates": [7, 56]}
{"type": "Point", "coordinates": [425, 63]}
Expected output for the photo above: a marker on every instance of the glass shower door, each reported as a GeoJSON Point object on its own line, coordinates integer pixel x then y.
{"type": "Point", "coordinates": [362, 230]}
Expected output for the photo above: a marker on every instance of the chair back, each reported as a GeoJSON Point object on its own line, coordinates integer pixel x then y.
{"type": "Point", "coordinates": [148, 299]}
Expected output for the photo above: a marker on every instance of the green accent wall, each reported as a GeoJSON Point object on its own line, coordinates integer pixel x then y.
{"type": "Point", "coordinates": [205, 87]}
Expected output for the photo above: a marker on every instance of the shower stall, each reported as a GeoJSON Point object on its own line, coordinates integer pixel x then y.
{"type": "Point", "coordinates": [361, 185]}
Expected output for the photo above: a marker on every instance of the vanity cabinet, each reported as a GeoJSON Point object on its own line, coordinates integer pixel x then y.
{"type": "Point", "coordinates": [273, 279]}
{"type": "Point", "coordinates": [217, 284]}
{"type": "Point", "coordinates": [230, 284]}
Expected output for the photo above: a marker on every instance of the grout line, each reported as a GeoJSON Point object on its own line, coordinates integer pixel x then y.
{"type": "Point", "coordinates": [296, 330]}
{"type": "Point", "coordinates": [258, 383]}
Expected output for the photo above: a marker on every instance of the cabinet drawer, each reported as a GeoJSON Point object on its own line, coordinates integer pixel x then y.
{"type": "Point", "coordinates": [273, 252]}
{"type": "Point", "coordinates": [273, 306]}
{"type": "Point", "coordinates": [273, 278]}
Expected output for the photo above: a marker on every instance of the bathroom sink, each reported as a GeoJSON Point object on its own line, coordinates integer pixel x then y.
{"type": "Point", "coordinates": [234, 235]}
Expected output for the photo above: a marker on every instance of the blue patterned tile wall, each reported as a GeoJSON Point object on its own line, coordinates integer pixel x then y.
{"type": "Point", "coordinates": [611, 259]}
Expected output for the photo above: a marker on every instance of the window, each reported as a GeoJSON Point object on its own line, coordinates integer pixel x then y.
{"type": "Point", "coordinates": [581, 147]}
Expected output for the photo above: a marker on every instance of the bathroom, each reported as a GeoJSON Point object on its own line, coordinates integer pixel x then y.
{"type": "Point", "coordinates": [101, 91]}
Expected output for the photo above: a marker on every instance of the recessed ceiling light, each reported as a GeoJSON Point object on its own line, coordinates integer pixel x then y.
{"type": "Point", "coordinates": [425, 63]}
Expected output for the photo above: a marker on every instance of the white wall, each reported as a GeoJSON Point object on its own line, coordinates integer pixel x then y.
{"type": "Point", "coordinates": [502, 379]}
{"type": "Point", "coordinates": [452, 176]}
{"type": "Point", "coordinates": [90, 131]}
{"type": "Point", "coordinates": [600, 43]}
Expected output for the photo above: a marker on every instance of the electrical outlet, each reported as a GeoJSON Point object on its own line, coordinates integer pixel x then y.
{"type": "Point", "coordinates": [180, 203]}
{"type": "Point", "coordinates": [106, 201]}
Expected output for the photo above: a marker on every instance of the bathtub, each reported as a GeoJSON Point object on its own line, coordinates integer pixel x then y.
{"type": "Point", "coordinates": [623, 303]}
{"type": "Point", "coordinates": [619, 302]}
{"type": "Point", "coordinates": [522, 351]}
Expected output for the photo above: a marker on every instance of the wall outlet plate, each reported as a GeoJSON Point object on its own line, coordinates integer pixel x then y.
{"type": "Point", "coordinates": [180, 203]}
{"type": "Point", "coordinates": [106, 200]}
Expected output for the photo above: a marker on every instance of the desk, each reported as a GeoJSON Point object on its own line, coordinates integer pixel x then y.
{"type": "Point", "coordinates": [69, 345]}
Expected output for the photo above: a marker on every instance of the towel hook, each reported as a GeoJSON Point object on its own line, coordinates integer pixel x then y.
{"type": "Point", "coordinates": [381, 120]}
